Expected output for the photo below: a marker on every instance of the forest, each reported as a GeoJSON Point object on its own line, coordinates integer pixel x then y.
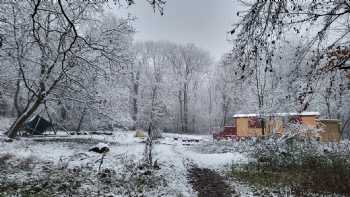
{"type": "Point", "coordinates": [77, 65]}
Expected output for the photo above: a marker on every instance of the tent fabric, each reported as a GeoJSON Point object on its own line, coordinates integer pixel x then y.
{"type": "Point", "coordinates": [37, 125]}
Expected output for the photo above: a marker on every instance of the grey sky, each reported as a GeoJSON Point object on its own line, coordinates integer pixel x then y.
{"type": "Point", "coordinates": [202, 22]}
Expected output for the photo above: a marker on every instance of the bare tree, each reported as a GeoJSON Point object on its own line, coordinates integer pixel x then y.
{"type": "Point", "coordinates": [188, 62]}
{"type": "Point", "coordinates": [266, 22]}
{"type": "Point", "coordinates": [151, 63]}
{"type": "Point", "coordinates": [264, 25]}
{"type": "Point", "coordinates": [59, 50]}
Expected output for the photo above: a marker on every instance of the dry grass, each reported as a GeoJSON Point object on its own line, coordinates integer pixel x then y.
{"type": "Point", "coordinates": [31, 177]}
{"type": "Point", "coordinates": [4, 158]}
{"type": "Point", "coordinates": [321, 175]}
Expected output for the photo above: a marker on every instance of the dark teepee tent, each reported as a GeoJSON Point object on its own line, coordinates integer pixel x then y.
{"type": "Point", "coordinates": [37, 125]}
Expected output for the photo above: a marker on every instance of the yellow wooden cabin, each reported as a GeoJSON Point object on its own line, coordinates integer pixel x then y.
{"type": "Point", "coordinates": [250, 125]}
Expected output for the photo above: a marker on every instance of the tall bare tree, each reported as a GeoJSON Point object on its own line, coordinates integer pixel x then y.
{"type": "Point", "coordinates": [264, 25]}
{"type": "Point", "coordinates": [56, 50]}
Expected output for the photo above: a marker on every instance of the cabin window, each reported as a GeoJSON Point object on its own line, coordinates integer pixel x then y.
{"type": "Point", "coordinates": [295, 119]}
{"type": "Point", "coordinates": [255, 122]}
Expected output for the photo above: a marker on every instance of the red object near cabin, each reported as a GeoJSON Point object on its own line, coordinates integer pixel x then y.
{"type": "Point", "coordinates": [229, 132]}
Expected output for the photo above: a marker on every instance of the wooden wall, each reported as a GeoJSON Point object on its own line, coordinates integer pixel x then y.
{"type": "Point", "coordinates": [309, 121]}
{"type": "Point", "coordinates": [274, 124]}
{"type": "Point", "coordinates": [243, 130]}
{"type": "Point", "coordinates": [331, 130]}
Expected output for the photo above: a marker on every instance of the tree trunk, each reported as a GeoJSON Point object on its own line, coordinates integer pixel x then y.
{"type": "Point", "coordinates": [181, 111]}
{"type": "Point", "coordinates": [328, 108]}
{"type": "Point", "coordinates": [224, 109]}
{"type": "Point", "coordinates": [134, 112]}
{"type": "Point", "coordinates": [193, 123]}
{"type": "Point", "coordinates": [263, 126]}
{"type": "Point", "coordinates": [185, 121]}
{"type": "Point", "coordinates": [210, 109]}
{"type": "Point", "coordinates": [12, 132]}
{"type": "Point", "coordinates": [149, 146]}
{"type": "Point", "coordinates": [224, 118]}
{"type": "Point", "coordinates": [134, 99]}
{"type": "Point", "coordinates": [81, 120]}
{"type": "Point", "coordinates": [15, 99]}
{"type": "Point", "coordinates": [344, 127]}
{"type": "Point", "coordinates": [149, 142]}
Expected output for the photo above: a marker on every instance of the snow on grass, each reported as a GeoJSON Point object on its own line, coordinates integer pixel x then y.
{"type": "Point", "coordinates": [125, 143]}
{"type": "Point", "coordinates": [176, 158]}
{"type": "Point", "coordinates": [173, 153]}
{"type": "Point", "coordinates": [44, 151]}
{"type": "Point", "coordinates": [216, 161]}
{"type": "Point", "coordinates": [190, 151]}
{"type": "Point", "coordinates": [5, 123]}
{"type": "Point", "coordinates": [170, 137]}
{"type": "Point", "coordinates": [173, 167]}
{"type": "Point", "coordinates": [120, 136]}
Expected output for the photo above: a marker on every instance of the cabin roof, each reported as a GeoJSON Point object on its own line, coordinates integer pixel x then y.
{"type": "Point", "coordinates": [278, 114]}
{"type": "Point", "coordinates": [327, 120]}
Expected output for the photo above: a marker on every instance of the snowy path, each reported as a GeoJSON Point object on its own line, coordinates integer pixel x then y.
{"type": "Point", "coordinates": [208, 182]}
{"type": "Point", "coordinates": [199, 170]}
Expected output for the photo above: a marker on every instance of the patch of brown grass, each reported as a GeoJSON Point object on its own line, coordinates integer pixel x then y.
{"type": "Point", "coordinates": [315, 175]}
{"type": "Point", "coordinates": [26, 164]}
{"type": "Point", "coordinates": [4, 158]}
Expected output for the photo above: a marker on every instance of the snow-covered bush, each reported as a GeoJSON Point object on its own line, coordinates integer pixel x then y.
{"type": "Point", "coordinates": [292, 150]}
{"type": "Point", "coordinates": [302, 166]}
{"type": "Point", "coordinates": [299, 132]}
{"type": "Point", "coordinates": [157, 133]}
{"type": "Point", "coordinates": [41, 178]}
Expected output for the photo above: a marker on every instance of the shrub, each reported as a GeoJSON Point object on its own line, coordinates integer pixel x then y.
{"type": "Point", "coordinates": [304, 166]}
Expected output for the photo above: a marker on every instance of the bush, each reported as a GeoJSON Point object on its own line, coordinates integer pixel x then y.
{"type": "Point", "coordinates": [305, 166]}
{"type": "Point", "coordinates": [48, 179]}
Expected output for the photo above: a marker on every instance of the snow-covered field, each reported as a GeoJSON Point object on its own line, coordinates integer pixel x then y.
{"type": "Point", "coordinates": [59, 156]}
{"type": "Point", "coordinates": [174, 153]}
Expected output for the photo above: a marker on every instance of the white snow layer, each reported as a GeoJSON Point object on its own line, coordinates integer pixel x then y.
{"type": "Point", "coordinates": [173, 153]}
{"type": "Point", "coordinates": [278, 114]}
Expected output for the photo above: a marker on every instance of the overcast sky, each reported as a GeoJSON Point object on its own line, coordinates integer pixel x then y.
{"type": "Point", "coordinates": [202, 22]}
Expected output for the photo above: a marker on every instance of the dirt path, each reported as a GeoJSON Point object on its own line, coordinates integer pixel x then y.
{"type": "Point", "coordinates": [207, 182]}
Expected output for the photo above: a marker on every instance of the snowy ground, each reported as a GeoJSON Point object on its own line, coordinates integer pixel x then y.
{"type": "Point", "coordinates": [58, 156]}
{"type": "Point", "coordinates": [174, 153]}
